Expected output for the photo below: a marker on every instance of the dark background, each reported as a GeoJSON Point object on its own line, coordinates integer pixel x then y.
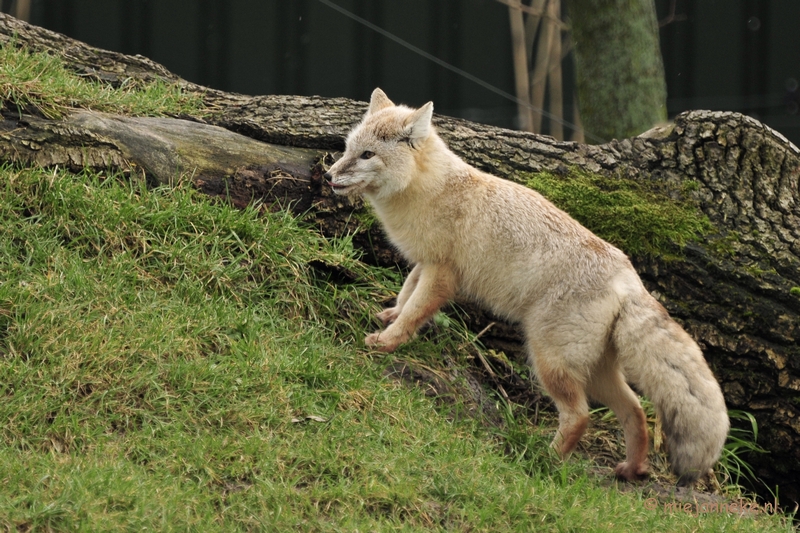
{"type": "Point", "coordinates": [734, 55]}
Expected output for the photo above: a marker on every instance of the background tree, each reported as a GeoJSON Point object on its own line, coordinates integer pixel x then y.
{"type": "Point", "coordinates": [619, 71]}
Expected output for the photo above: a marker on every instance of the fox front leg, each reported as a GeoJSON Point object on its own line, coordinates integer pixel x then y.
{"type": "Point", "coordinates": [387, 316]}
{"type": "Point", "coordinates": [427, 289]}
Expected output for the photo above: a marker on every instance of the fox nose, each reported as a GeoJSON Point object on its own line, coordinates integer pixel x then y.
{"type": "Point", "coordinates": [327, 177]}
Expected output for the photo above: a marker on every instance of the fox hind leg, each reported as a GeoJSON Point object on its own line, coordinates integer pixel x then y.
{"type": "Point", "coordinates": [607, 385]}
{"type": "Point", "coordinates": [567, 391]}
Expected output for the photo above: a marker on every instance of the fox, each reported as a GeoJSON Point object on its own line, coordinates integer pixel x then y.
{"type": "Point", "coordinates": [590, 325]}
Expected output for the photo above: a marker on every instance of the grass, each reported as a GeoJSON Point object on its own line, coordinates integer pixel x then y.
{"type": "Point", "coordinates": [170, 363]}
{"type": "Point", "coordinates": [741, 441]}
{"type": "Point", "coordinates": [39, 83]}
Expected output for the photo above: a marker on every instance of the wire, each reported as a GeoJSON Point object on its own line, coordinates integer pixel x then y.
{"type": "Point", "coordinates": [463, 73]}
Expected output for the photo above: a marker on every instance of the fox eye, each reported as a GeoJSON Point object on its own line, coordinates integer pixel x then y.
{"type": "Point", "coordinates": [367, 154]}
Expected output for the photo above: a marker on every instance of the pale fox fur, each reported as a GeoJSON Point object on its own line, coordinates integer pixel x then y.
{"type": "Point", "coordinates": [590, 324]}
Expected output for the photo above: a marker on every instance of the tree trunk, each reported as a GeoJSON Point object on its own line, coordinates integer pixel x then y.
{"type": "Point", "coordinates": [618, 68]}
{"type": "Point", "coordinates": [737, 292]}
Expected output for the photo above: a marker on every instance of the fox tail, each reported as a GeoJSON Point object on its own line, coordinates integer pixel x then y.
{"type": "Point", "coordinates": [665, 363]}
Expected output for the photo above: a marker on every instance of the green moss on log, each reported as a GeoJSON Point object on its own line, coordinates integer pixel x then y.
{"type": "Point", "coordinates": [624, 212]}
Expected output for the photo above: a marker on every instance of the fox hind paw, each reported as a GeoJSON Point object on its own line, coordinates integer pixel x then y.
{"type": "Point", "coordinates": [631, 472]}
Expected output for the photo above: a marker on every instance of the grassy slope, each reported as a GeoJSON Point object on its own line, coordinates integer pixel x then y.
{"type": "Point", "coordinates": [170, 363]}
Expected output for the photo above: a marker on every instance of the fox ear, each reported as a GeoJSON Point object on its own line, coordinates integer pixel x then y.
{"type": "Point", "coordinates": [418, 124]}
{"type": "Point", "coordinates": [378, 101]}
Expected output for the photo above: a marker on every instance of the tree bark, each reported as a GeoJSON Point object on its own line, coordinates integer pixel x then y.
{"type": "Point", "coordinates": [737, 292]}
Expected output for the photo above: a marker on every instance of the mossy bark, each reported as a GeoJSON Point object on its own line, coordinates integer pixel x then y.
{"type": "Point", "coordinates": [735, 290]}
{"type": "Point", "coordinates": [622, 90]}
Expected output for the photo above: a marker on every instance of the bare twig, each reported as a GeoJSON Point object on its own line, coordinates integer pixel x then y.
{"type": "Point", "coordinates": [21, 9]}
{"type": "Point", "coordinates": [577, 133]}
{"type": "Point", "coordinates": [671, 17]}
{"type": "Point", "coordinates": [493, 375]}
{"type": "Point", "coordinates": [486, 364]}
{"type": "Point", "coordinates": [484, 330]}
{"type": "Point", "coordinates": [554, 79]}
{"type": "Point", "coordinates": [524, 112]}
{"type": "Point", "coordinates": [540, 68]}
{"type": "Point", "coordinates": [536, 10]}
{"type": "Point", "coordinates": [532, 23]}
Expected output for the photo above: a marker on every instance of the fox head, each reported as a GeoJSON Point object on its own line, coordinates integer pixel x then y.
{"type": "Point", "coordinates": [381, 152]}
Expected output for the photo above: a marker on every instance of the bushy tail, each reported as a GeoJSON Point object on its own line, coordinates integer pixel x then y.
{"type": "Point", "coordinates": [665, 363]}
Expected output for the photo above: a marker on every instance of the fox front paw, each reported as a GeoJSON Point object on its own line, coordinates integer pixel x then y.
{"type": "Point", "coordinates": [388, 316]}
{"type": "Point", "coordinates": [631, 472]}
{"type": "Point", "coordinates": [382, 341]}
